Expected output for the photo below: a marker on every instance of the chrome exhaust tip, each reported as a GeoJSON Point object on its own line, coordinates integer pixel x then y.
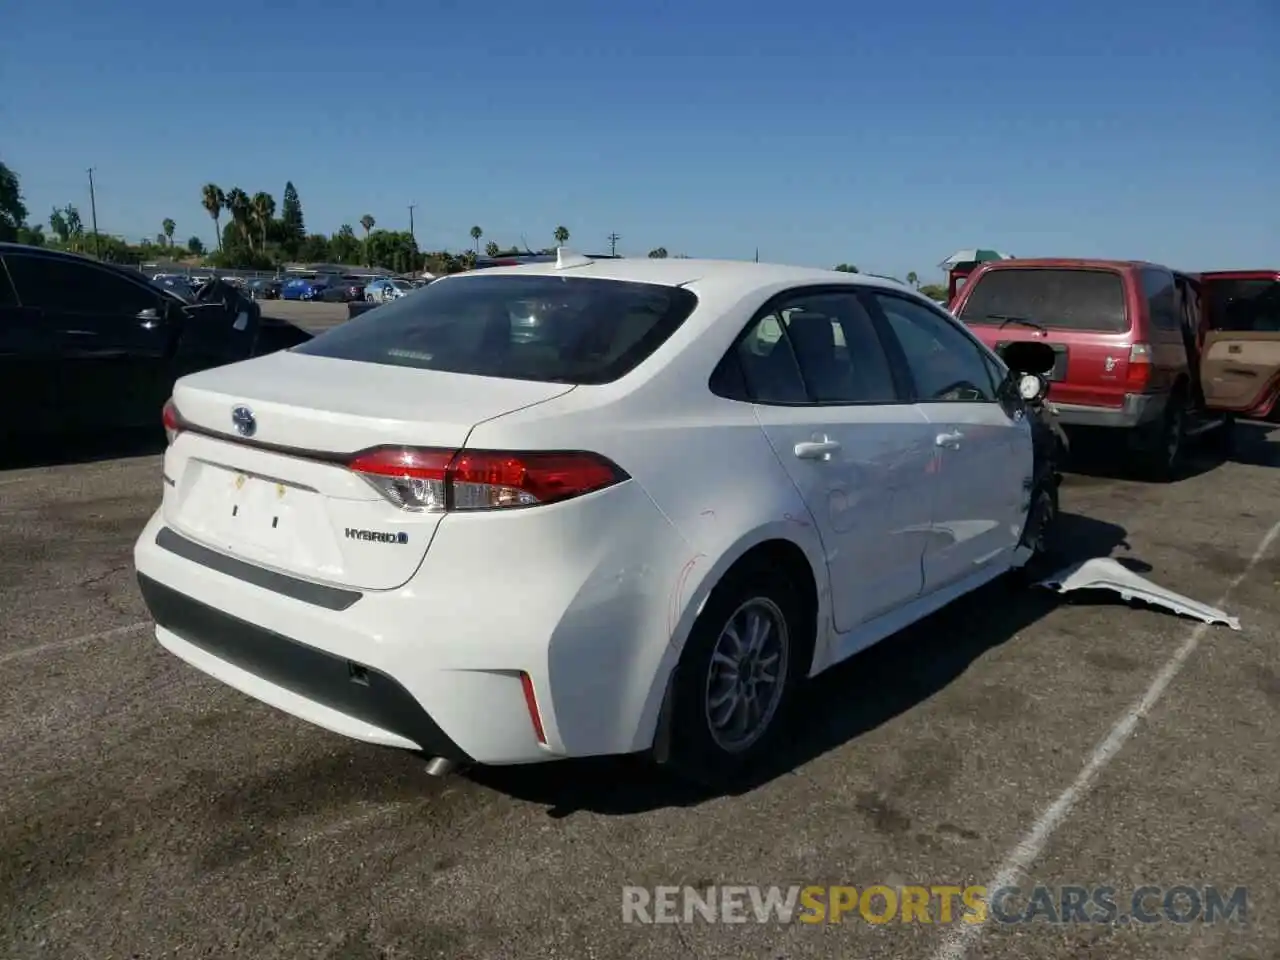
{"type": "Point", "coordinates": [439, 767]}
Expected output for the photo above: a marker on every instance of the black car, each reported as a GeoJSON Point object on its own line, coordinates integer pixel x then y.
{"type": "Point", "coordinates": [341, 289]}
{"type": "Point", "coordinates": [87, 345]}
{"type": "Point", "coordinates": [265, 289]}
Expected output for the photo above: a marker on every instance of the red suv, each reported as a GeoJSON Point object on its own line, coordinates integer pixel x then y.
{"type": "Point", "coordinates": [1127, 335]}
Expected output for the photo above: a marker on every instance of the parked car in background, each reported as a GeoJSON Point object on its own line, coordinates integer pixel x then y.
{"type": "Point", "coordinates": [343, 290]}
{"type": "Point", "coordinates": [178, 284]}
{"type": "Point", "coordinates": [1240, 365]}
{"type": "Point", "coordinates": [267, 288]}
{"type": "Point", "coordinates": [1127, 335]}
{"type": "Point", "coordinates": [86, 345]}
{"type": "Point", "coordinates": [308, 287]}
{"type": "Point", "coordinates": [851, 460]}
{"type": "Point", "coordinates": [381, 291]}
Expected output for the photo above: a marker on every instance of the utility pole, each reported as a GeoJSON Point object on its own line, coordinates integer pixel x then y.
{"type": "Point", "coordinates": [93, 214]}
{"type": "Point", "coordinates": [411, 234]}
{"type": "Point", "coordinates": [613, 239]}
{"type": "Point", "coordinates": [757, 254]}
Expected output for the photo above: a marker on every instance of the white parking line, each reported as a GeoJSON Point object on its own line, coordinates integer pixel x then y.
{"type": "Point", "coordinates": [73, 642]}
{"type": "Point", "coordinates": [956, 942]}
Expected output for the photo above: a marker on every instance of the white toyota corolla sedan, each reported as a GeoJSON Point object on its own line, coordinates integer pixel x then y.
{"type": "Point", "coordinates": [588, 507]}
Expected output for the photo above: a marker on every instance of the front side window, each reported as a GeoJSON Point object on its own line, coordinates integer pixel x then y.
{"type": "Point", "coordinates": [551, 329]}
{"type": "Point", "coordinates": [946, 365]}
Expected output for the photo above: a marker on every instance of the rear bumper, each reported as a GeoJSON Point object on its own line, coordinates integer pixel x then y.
{"type": "Point", "coordinates": [344, 686]}
{"type": "Point", "coordinates": [1138, 409]}
{"type": "Point", "coordinates": [437, 665]}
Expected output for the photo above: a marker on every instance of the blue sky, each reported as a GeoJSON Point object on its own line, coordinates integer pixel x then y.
{"type": "Point", "coordinates": [820, 132]}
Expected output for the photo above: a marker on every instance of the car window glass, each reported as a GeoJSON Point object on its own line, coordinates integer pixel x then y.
{"type": "Point", "coordinates": [55, 284]}
{"type": "Point", "coordinates": [839, 352]}
{"type": "Point", "coordinates": [946, 365]}
{"type": "Point", "coordinates": [1162, 304]}
{"type": "Point", "coordinates": [8, 298]}
{"type": "Point", "coordinates": [768, 364]}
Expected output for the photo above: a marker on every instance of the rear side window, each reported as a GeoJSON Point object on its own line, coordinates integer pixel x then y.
{"type": "Point", "coordinates": [1251, 306]}
{"type": "Point", "coordinates": [1057, 298]}
{"type": "Point", "coordinates": [552, 329]}
{"type": "Point", "coordinates": [8, 298]}
{"type": "Point", "coordinates": [52, 283]}
{"type": "Point", "coordinates": [1162, 303]}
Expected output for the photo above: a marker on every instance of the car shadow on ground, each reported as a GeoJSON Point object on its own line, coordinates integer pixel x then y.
{"type": "Point", "coordinates": [1103, 457]}
{"type": "Point", "coordinates": [859, 695]}
{"type": "Point", "coordinates": [81, 448]}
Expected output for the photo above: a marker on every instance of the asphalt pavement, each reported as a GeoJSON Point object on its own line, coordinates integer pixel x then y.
{"type": "Point", "coordinates": [150, 812]}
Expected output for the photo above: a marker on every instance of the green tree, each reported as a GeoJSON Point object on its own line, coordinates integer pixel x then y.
{"type": "Point", "coordinates": [934, 291]}
{"type": "Point", "coordinates": [846, 268]}
{"type": "Point", "coordinates": [368, 223]}
{"type": "Point", "coordinates": [58, 224]}
{"type": "Point", "coordinates": [292, 228]}
{"type": "Point", "coordinates": [912, 279]}
{"type": "Point", "coordinates": [214, 201]}
{"type": "Point", "coordinates": [492, 250]}
{"type": "Point", "coordinates": [659, 253]}
{"type": "Point", "coordinates": [562, 236]}
{"type": "Point", "coordinates": [344, 246]}
{"type": "Point", "coordinates": [238, 205]}
{"type": "Point", "coordinates": [13, 212]}
{"type": "Point", "coordinates": [32, 235]}
{"type": "Point", "coordinates": [476, 234]}
{"type": "Point", "coordinates": [262, 208]}
{"type": "Point", "coordinates": [195, 247]}
{"type": "Point", "coordinates": [168, 226]}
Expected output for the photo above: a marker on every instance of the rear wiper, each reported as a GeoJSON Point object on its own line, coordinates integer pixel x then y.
{"type": "Point", "coordinates": [1008, 320]}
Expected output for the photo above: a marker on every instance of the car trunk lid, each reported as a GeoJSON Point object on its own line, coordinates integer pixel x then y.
{"type": "Point", "coordinates": [280, 495]}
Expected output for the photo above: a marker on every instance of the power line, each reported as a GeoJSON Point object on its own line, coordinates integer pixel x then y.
{"type": "Point", "coordinates": [613, 239]}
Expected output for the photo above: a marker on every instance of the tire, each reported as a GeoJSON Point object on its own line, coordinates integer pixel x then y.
{"type": "Point", "coordinates": [1161, 457]}
{"type": "Point", "coordinates": [695, 742]}
{"type": "Point", "coordinates": [1224, 437]}
{"type": "Point", "coordinates": [1042, 533]}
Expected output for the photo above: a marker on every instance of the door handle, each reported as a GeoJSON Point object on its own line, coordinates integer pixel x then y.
{"type": "Point", "coordinates": [816, 449]}
{"type": "Point", "coordinates": [949, 440]}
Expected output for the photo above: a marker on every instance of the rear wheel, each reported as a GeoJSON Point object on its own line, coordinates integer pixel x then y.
{"type": "Point", "coordinates": [1160, 456]}
{"type": "Point", "coordinates": [733, 689]}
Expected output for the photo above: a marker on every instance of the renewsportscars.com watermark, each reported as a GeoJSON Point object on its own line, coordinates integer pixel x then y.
{"type": "Point", "coordinates": [937, 903]}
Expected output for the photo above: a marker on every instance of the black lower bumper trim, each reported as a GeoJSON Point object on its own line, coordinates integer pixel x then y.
{"type": "Point", "coordinates": [331, 598]}
{"type": "Point", "coordinates": [344, 685]}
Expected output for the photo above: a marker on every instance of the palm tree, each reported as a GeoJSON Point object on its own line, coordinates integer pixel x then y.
{"type": "Point", "coordinates": [491, 249]}
{"type": "Point", "coordinates": [476, 234]}
{"type": "Point", "coordinates": [238, 204]}
{"type": "Point", "coordinates": [169, 226]}
{"type": "Point", "coordinates": [263, 206]}
{"type": "Point", "coordinates": [562, 236]}
{"type": "Point", "coordinates": [367, 222]}
{"type": "Point", "coordinates": [214, 201]}
{"type": "Point", "coordinates": [913, 279]}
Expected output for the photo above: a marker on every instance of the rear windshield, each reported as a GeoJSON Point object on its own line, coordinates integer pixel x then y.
{"type": "Point", "coordinates": [1251, 305]}
{"type": "Point", "coordinates": [551, 329]}
{"type": "Point", "coordinates": [1056, 298]}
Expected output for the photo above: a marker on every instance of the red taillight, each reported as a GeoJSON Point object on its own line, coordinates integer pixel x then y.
{"type": "Point", "coordinates": [1138, 377]}
{"type": "Point", "coordinates": [438, 480]}
{"type": "Point", "coordinates": [172, 420]}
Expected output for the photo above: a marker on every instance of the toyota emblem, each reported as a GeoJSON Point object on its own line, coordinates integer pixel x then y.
{"type": "Point", "coordinates": [244, 421]}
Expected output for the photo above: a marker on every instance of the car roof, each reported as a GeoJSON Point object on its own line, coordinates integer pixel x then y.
{"type": "Point", "coordinates": [745, 274]}
{"type": "Point", "coordinates": [1065, 262]}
